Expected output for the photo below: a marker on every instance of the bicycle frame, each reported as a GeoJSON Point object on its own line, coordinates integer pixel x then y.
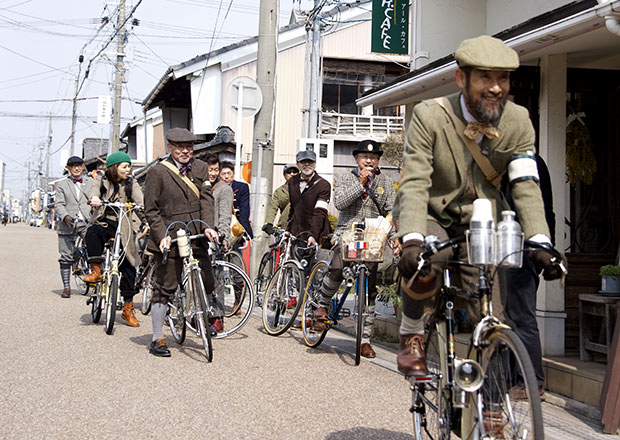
{"type": "Point", "coordinates": [352, 279]}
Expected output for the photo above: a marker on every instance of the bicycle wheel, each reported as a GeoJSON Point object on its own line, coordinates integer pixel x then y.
{"type": "Point", "coordinates": [95, 304]}
{"type": "Point", "coordinates": [147, 290]}
{"type": "Point", "coordinates": [362, 292]}
{"type": "Point", "coordinates": [232, 283]}
{"type": "Point", "coordinates": [110, 306]}
{"type": "Point", "coordinates": [265, 271]}
{"type": "Point", "coordinates": [279, 308]}
{"type": "Point", "coordinates": [176, 317]}
{"type": "Point", "coordinates": [202, 318]}
{"type": "Point", "coordinates": [80, 269]}
{"type": "Point", "coordinates": [506, 364]}
{"type": "Point", "coordinates": [235, 258]}
{"type": "Point", "coordinates": [310, 303]}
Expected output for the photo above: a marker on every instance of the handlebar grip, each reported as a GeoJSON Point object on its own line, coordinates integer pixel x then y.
{"type": "Point", "coordinates": [164, 258]}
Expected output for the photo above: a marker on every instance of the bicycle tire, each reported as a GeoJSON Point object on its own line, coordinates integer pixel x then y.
{"type": "Point", "coordinates": [110, 306]}
{"type": "Point", "coordinates": [506, 363]}
{"type": "Point", "coordinates": [278, 313]}
{"type": "Point", "coordinates": [265, 272]}
{"type": "Point", "coordinates": [95, 305]}
{"type": "Point", "coordinates": [237, 315]}
{"type": "Point", "coordinates": [235, 258]}
{"type": "Point", "coordinates": [80, 269]}
{"type": "Point", "coordinates": [310, 303]}
{"type": "Point", "coordinates": [176, 317]}
{"type": "Point", "coordinates": [362, 292]}
{"type": "Point", "coordinates": [203, 317]}
{"type": "Point", "coordinates": [147, 291]}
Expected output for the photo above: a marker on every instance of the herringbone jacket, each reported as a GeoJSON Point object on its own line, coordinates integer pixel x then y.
{"type": "Point", "coordinates": [349, 198]}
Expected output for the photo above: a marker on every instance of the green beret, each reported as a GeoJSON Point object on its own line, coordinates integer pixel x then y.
{"type": "Point", "coordinates": [118, 157]}
{"type": "Point", "coordinates": [486, 53]}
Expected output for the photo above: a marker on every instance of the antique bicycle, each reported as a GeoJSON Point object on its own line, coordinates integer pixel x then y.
{"type": "Point", "coordinates": [80, 267]}
{"type": "Point", "coordinates": [268, 264]}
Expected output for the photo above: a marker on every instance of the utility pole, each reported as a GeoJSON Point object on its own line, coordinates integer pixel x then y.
{"type": "Point", "coordinates": [74, 112]}
{"type": "Point", "coordinates": [118, 79]}
{"type": "Point", "coordinates": [315, 60]}
{"type": "Point", "coordinates": [262, 149]}
{"type": "Point", "coordinates": [47, 156]}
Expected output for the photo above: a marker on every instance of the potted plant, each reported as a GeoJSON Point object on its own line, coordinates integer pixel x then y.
{"type": "Point", "coordinates": [390, 293]}
{"type": "Point", "coordinates": [610, 279]}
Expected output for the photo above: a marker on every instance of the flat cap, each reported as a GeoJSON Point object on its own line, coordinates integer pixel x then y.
{"type": "Point", "coordinates": [75, 160]}
{"type": "Point", "coordinates": [486, 53]}
{"type": "Point", "coordinates": [290, 167]}
{"type": "Point", "coordinates": [368, 146]}
{"type": "Point", "coordinates": [305, 155]}
{"type": "Point", "coordinates": [181, 136]}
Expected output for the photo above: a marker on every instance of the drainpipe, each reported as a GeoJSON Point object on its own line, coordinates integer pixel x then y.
{"type": "Point", "coordinates": [611, 21]}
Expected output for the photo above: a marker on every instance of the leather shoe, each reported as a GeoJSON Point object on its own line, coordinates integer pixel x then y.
{"type": "Point", "coordinates": [318, 327]}
{"type": "Point", "coordinates": [493, 422]}
{"type": "Point", "coordinates": [367, 351]}
{"type": "Point", "coordinates": [410, 359]}
{"type": "Point", "coordinates": [66, 293]}
{"type": "Point", "coordinates": [297, 324]}
{"type": "Point", "coordinates": [320, 314]}
{"type": "Point", "coordinates": [159, 348]}
{"type": "Point", "coordinates": [518, 393]}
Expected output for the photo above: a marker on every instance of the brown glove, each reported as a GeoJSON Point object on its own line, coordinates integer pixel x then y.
{"type": "Point", "coordinates": [69, 221]}
{"type": "Point", "coordinates": [408, 263]}
{"type": "Point", "coordinates": [550, 269]}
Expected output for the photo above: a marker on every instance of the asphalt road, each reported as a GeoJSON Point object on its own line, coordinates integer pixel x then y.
{"type": "Point", "coordinates": [63, 377]}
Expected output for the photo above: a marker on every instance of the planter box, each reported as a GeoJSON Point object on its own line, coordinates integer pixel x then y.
{"type": "Point", "coordinates": [610, 284]}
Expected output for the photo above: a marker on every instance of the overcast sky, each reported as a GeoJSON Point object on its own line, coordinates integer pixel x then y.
{"type": "Point", "coordinates": [40, 41]}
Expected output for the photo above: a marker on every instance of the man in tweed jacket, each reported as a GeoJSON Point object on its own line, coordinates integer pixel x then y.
{"type": "Point", "coordinates": [362, 193]}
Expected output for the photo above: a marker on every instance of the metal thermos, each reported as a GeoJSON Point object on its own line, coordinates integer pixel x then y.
{"type": "Point", "coordinates": [481, 234]}
{"type": "Point", "coordinates": [509, 241]}
{"type": "Point", "coordinates": [182, 243]}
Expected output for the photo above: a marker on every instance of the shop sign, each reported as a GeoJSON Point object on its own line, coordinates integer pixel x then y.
{"type": "Point", "coordinates": [390, 26]}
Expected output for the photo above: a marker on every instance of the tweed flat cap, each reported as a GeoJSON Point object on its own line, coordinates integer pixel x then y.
{"type": "Point", "coordinates": [486, 53]}
{"type": "Point", "coordinates": [181, 136]}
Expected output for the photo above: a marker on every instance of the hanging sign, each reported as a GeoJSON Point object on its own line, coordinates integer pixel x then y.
{"type": "Point", "coordinates": [390, 26]}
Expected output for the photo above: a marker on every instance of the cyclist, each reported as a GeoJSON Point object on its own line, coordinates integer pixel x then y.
{"type": "Point", "coordinates": [71, 207]}
{"type": "Point", "coordinates": [117, 185]}
{"type": "Point", "coordinates": [280, 202]}
{"type": "Point", "coordinates": [222, 197]}
{"type": "Point", "coordinates": [363, 193]}
{"type": "Point", "coordinates": [177, 189]}
{"type": "Point", "coordinates": [446, 169]}
{"type": "Point", "coordinates": [241, 193]}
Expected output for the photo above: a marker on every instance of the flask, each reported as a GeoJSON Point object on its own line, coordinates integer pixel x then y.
{"type": "Point", "coordinates": [509, 241]}
{"type": "Point", "coordinates": [481, 234]}
{"type": "Point", "coordinates": [182, 243]}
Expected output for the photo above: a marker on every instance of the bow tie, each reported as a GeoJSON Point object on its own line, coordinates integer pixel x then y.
{"type": "Point", "coordinates": [76, 179]}
{"type": "Point", "coordinates": [475, 129]}
{"type": "Point", "coordinates": [185, 168]}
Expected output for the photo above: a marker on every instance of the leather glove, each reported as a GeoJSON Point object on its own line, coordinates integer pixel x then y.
{"type": "Point", "coordinates": [69, 221]}
{"type": "Point", "coordinates": [408, 263]}
{"type": "Point", "coordinates": [550, 270]}
{"type": "Point", "coordinates": [268, 228]}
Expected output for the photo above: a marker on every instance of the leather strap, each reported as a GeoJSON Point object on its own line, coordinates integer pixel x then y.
{"type": "Point", "coordinates": [185, 179]}
{"type": "Point", "coordinates": [483, 162]}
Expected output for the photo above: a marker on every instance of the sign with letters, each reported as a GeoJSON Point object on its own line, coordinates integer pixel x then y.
{"type": "Point", "coordinates": [390, 26]}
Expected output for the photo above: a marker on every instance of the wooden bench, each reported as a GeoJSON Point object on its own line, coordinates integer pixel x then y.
{"type": "Point", "coordinates": [597, 318]}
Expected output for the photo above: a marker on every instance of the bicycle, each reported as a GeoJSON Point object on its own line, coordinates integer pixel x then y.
{"type": "Point", "coordinates": [282, 297]}
{"type": "Point", "coordinates": [106, 290]}
{"type": "Point", "coordinates": [80, 267]}
{"type": "Point", "coordinates": [268, 264]}
{"type": "Point", "coordinates": [355, 276]}
{"type": "Point", "coordinates": [471, 397]}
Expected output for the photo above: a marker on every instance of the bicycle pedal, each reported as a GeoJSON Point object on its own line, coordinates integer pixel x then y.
{"type": "Point", "coordinates": [90, 300]}
{"type": "Point", "coordinates": [345, 313]}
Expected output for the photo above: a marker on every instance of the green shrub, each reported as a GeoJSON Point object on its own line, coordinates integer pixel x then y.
{"type": "Point", "coordinates": [610, 271]}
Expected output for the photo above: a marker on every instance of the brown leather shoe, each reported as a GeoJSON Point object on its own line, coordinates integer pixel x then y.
{"type": "Point", "coordinates": [518, 393]}
{"type": "Point", "coordinates": [238, 311]}
{"type": "Point", "coordinates": [320, 314]}
{"type": "Point", "coordinates": [95, 274]}
{"type": "Point", "coordinates": [297, 324]}
{"type": "Point", "coordinates": [129, 316]}
{"type": "Point", "coordinates": [66, 293]}
{"type": "Point", "coordinates": [318, 327]}
{"type": "Point", "coordinates": [493, 422]}
{"type": "Point", "coordinates": [367, 351]}
{"type": "Point", "coordinates": [410, 358]}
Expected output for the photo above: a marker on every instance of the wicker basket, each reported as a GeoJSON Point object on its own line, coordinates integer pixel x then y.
{"type": "Point", "coordinates": [367, 245]}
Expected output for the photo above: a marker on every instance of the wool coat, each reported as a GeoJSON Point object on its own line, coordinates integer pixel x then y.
{"type": "Point", "coordinates": [69, 202]}
{"type": "Point", "coordinates": [223, 199]}
{"type": "Point", "coordinates": [241, 192]}
{"type": "Point", "coordinates": [279, 202]}
{"type": "Point", "coordinates": [305, 215]}
{"type": "Point", "coordinates": [440, 179]}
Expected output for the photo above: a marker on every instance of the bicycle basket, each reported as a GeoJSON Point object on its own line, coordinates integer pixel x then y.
{"type": "Point", "coordinates": [367, 245]}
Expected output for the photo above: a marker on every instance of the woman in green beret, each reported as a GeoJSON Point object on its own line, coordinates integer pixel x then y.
{"type": "Point", "coordinates": [117, 185]}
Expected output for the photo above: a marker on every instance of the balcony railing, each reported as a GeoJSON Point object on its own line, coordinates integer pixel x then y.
{"type": "Point", "coordinates": [354, 126]}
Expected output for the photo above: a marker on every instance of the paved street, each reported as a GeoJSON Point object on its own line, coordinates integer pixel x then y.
{"type": "Point", "coordinates": [63, 377]}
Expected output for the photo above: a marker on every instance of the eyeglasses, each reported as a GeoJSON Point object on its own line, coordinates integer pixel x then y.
{"type": "Point", "coordinates": [183, 146]}
{"type": "Point", "coordinates": [292, 172]}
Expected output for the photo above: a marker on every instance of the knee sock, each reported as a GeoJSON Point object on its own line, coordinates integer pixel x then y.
{"type": "Point", "coordinates": [65, 273]}
{"type": "Point", "coordinates": [410, 326]}
{"type": "Point", "coordinates": [328, 289]}
{"type": "Point", "coordinates": [158, 314]}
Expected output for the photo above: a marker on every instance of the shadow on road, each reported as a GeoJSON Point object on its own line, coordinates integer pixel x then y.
{"type": "Point", "coordinates": [361, 433]}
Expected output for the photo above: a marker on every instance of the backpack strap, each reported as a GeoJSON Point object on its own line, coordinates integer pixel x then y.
{"type": "Point", "coordinates": [185, 179]}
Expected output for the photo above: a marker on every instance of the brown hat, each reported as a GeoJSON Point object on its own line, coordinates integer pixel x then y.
{"type": "Point", "coordinates": [486, 53]}
{"type": "Point", "coordinates": [181, 136]}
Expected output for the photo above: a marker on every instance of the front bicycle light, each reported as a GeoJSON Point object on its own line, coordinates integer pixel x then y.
{"type": "Point", "coordinates": [468, 377]}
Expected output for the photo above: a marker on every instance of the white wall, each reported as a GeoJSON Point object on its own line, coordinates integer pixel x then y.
{"type": "Point", "coordinates": [503, 14]}
{"type": "Point", "coordinates": [206, 92]}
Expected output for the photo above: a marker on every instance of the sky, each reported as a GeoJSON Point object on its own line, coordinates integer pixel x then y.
{"type": "Point", "coordinates": [41, 40]}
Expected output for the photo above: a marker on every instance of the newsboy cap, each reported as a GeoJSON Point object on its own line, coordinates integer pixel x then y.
{"type": "Point", "coordinates": [290, 166]}
{"type": "Point", "coordinates": [181, 136]}
{"type": "Point", "coordinates": [305, 155]}
{"type": "Point", "coordinates": [368, 146]}
{"type": "Point", "coordinates": [75, 160]}
{"type": "Point", "coordinates": [486, 53]}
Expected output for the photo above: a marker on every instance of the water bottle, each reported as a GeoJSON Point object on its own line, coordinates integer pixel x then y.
{"type": "Point", "coordinates": [509, 241]}
{"type": "Point", "coordinates": [481, 234]}
{"type": "Point", "coordinates": [182, 243]}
